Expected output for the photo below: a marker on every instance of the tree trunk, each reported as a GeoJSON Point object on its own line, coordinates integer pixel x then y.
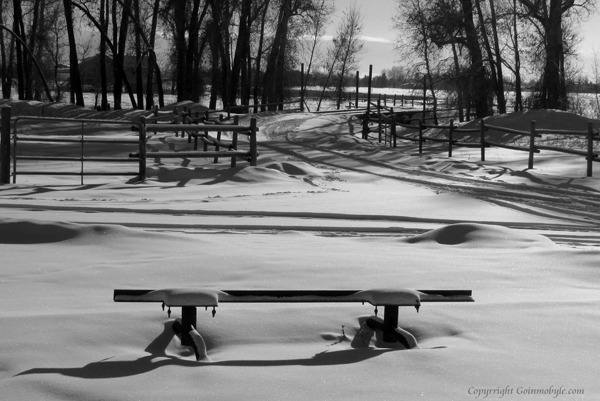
{"type": "Point", "coordinates": [554, 88]}
{"type": "Point", "coordinates": [331, 68]}
{"type": "Point", "coordinates": [258, 76]}
{"type": "Point", "coordinates": [499, 74]}
{"type": "Point", "coordinates": [188, 83]}
{"type": "Point", "coordinates": [490, 55]}
{"type": "Point", "coordinates": [17, 24]}
{"type": "Point", "coordinates": [38, 18]}
{"type": "Point", "coordinates": [152, 58]}
{"type": "Point", "coordinates": [180, 47]}
{"type": "Point", "coordinates": [517, 70]}
{"type": "Point", "coordinates": [119, 58]}
{"type": "Point", "coordinates": [5, 64]}
{"type": "Point", "coordinates": [139, 80]}
{"type": "Point", "coordinates": [459, 84]}
{"type": "Point", "coordinates": [273, 85]}
{"type": "Point", "coordinates": [478, 87]}
{"type": "Point", "coordinates": [103, 85]}
{"type": "Point", "coordinates": [76, 90]}
{"type": "Point", "coordinates": [193, 79]}
{"type": "Point", "coordinates": [241, 52]}
{"type": "Point", "coordinates": [215, 74]}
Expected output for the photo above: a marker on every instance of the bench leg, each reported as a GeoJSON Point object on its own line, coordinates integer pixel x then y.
{"type": "Point", "coordinates": [188, 320]}
{"type": "Point", "coordinates": [389, 326]}
{"type": "Point", "coordinates": [390, 322]}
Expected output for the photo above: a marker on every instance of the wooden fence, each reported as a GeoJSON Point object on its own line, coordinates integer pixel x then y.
{"type": "Point", "coordinates": [388, 122]}
{"type": "Point", "coordinates": [200, 129]}
{"type": "Point", "coordinates": [194, 129]}
{"type": "Point", "coordinates": [79, 155]}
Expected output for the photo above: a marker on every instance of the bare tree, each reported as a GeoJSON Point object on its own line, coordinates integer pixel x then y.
{"type": "Point", "coordinates": [5, 56]}
{"type": "Point", "coordinates": [184, 19]}
{"type": "Point", "coordinates": [75, 78]}
{"type": "Point", "coordinates": [56, 45]}
{"type": "Point", "coordinates": [412, 20]}
{"type": "Point", "coordinates": [330, 64]}
{"type": "Point", "coordinates": [262, 14]}
{"type": "Point", "coordinates": [348, 39]}
{"type": "Point", "coordinates": [492, 49]}
{"type": "Point", "coordinates": [104, 19]}
{"type": "Point", "coordinates": [317, 22]}
{"type": "Point", "coordinates": [276, 68]}
{"type": "Point", "coordinates": [550, 17]}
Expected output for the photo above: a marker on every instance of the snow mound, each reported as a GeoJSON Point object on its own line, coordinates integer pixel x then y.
{"type": "Point", "coordinates": [212, 176]}
{"type": "Point", "coordinates": [294, 169]}
{"type": "Point", "coordinates": [259, 175]}
{"type": "Point", "coordinates": [481, 235]}
{"type": "Point", "coordinates": [27, 232]}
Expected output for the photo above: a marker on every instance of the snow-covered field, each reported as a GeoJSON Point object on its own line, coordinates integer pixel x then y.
{"type": "Point", "coordinates": [324, 209]}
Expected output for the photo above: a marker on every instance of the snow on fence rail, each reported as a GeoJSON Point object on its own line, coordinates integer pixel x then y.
{"type": "Point", "coordinates": [9, 153]}
{"type": "Point", "coordinates": [390, 120]}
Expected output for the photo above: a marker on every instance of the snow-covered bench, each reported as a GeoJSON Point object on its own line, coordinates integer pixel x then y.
{"type": "Point", "coordinates": [190, 298]}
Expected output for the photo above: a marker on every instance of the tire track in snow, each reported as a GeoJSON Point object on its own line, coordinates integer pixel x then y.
{"type": "Point", "coordinates": [272, 222]}
{"type": "Point", "coordinates": [576, 205]}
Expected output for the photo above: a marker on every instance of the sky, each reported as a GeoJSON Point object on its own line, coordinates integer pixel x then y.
{"type": "Point", "coordinates": [379, 34]}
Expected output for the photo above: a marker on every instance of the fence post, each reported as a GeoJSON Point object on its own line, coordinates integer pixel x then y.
{"type": "Point", "coordinates": [368, 115]}
{"type": "Point", "coordinates": [217, 147]}
{"type": "Point", "coordinates": [590, 150]}
{"type": "Point", "coordinates": [142, 149]}
{"type": "Point", "coordinates": [5, 145]}
{"type": "Point", "coordinates": [424, 95]}
{"type": "Point", "coordinates": [450, 138]}
{"type": "Point", "coordinates": [205, 143]}
{"type": "Point", "coordinates": [393, 128]}
{"type": "Point", "coordinates": [302, 87]}
{"type": "Point", "coordinates": [379, 117]}
{"type": "Point", "coordinates": [356, 99]}
{"type": "Point", "coordinates": [234, 140]}
{"type": "Point", "coordinates": [176, 119]}
{"type": "Point", "coordinates": [531, 144]}
{"type": "Point", "coordinates": [421, 136]}
{"type": "Point", "coordinates": [253, 145]}
{"type": "Point", "coordinates": [482, 138]}
{"type": "Point", "coordinates": [155, 112]}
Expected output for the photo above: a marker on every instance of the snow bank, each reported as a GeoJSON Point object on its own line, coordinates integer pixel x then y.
{"type": "Point", "coordinates": [31, 232]}
{"type": "Point", "coordinates": [481, 236]}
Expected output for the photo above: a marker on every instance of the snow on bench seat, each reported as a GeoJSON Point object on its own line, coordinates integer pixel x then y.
{"type": "Point", "coordinates": [190, 298]}
{"type": "Point", "coordinates": [212, 298]}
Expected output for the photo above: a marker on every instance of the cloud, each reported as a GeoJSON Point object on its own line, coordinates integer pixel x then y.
{"type": "Point", "coordinates": [329, 38]}
{"type": "Point", "coordinates": [375, 39]}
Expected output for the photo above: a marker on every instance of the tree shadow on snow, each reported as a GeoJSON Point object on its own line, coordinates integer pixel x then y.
{"type": "Point", "coordinates": [157, 357]}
